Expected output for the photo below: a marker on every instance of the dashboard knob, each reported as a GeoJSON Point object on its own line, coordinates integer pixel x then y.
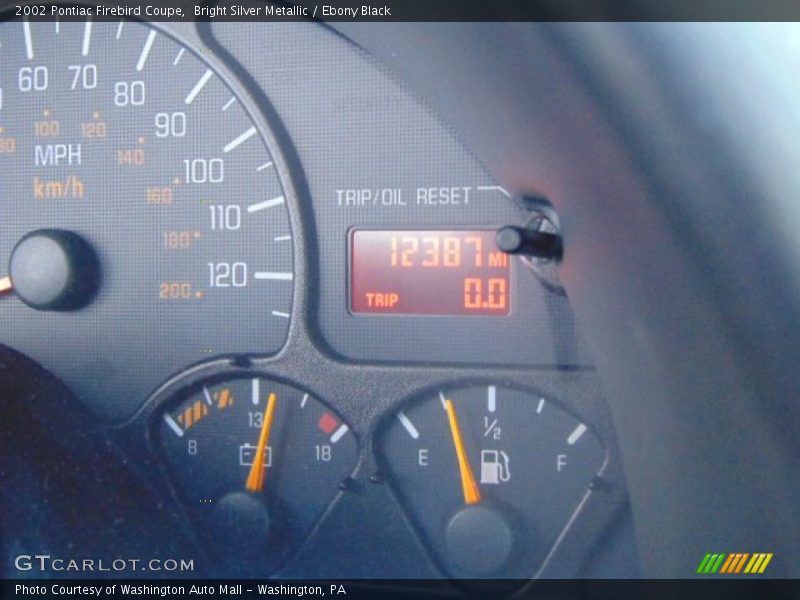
{"type": "Point", "coordinates": [522, 240]}
{"type": "Point", "coordinates": [479, 539]}
{"type": "Point", "coordinates": [241, 523]}
{"type": "Point", "coordinates": [53, 269]}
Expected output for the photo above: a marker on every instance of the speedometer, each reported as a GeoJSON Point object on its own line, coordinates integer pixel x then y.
{"type": "Point", "coordinates": [137, 150]}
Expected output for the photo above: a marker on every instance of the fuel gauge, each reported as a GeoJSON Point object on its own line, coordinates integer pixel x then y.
{"type": "Point", "coordinates": [491, 475]}
{"type": "Point", "coordinates": [256, 462]}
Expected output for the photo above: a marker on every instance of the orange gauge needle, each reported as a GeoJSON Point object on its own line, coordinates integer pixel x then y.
{"type": "Point", "coordinates": [255, 479]}
{"type": "Point", "coordinates": [472, 495]}
{"type": "Point", "coordinates": [5, 285]}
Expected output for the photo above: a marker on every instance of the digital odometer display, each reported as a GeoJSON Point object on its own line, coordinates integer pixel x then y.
{"type": "Point", "coordinates": [428, 273]}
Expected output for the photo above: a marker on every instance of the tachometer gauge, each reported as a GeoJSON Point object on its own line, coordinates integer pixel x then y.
{"type": "Point", "coordinates": [120, 142]}
{"type": "Point", "coordinates": [491, 475]}
{"type": "Point", "coordinates": [255, 462]}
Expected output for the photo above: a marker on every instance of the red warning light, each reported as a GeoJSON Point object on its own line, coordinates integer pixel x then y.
{"type": "Point", "coordinates": [327, 423]}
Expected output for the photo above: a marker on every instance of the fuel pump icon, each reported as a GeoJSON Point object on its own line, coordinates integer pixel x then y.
{"type": "Point", "coordinates": [494, 467]}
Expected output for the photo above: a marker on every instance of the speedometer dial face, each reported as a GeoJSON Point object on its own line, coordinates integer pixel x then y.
{"type": "Point", "coordinates": [119, 134]}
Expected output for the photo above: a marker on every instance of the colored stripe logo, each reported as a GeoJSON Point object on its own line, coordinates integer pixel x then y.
{"type": "Point", "coordinates": [735, 562]}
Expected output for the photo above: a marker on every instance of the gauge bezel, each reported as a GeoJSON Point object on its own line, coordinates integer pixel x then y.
{"type": "Point", "coordinates": [192, 385]}
{"type": "Point", "coordinates": [575, 392]}
{"type": "Point", "coordinates": [367, 392]}
{"type": "Point", "coordinates": [599, 497]}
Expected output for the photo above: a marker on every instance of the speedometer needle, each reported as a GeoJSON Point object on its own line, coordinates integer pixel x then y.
{"type": "Point", "coordinates": [255, 479]}
{"type": "Point", "coordinates": [5, 285]}
{"type": "Point", "coordinates": [472, 494]}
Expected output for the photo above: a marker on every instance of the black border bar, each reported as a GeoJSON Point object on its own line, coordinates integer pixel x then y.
{"type": "Point", "coordinates": [411, 10]}
{"type": "Point", "coordinates": [710, 588]}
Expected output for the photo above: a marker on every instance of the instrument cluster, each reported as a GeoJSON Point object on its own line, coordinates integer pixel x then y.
{"type": "Point", "coordinates": [288, 292]}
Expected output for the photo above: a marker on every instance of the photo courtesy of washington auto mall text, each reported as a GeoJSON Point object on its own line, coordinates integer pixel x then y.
{"type": "Point", "coordinates": [120, 590]}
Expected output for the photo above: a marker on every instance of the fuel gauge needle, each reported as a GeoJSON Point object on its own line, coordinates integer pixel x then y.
{"type": "Point", "coordinates": [472, 494]}
{"type": "Point", "coordinates": [255, 479]}
{"type": "Point", "coordinates": [6, 286]}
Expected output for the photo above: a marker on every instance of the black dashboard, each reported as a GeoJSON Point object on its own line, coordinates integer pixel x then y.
{"type": "Point", "coordinates": [265, 276]}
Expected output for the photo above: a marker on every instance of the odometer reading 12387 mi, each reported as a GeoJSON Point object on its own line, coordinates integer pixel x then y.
{"type": "Point", "coordinates": [428, 273]}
